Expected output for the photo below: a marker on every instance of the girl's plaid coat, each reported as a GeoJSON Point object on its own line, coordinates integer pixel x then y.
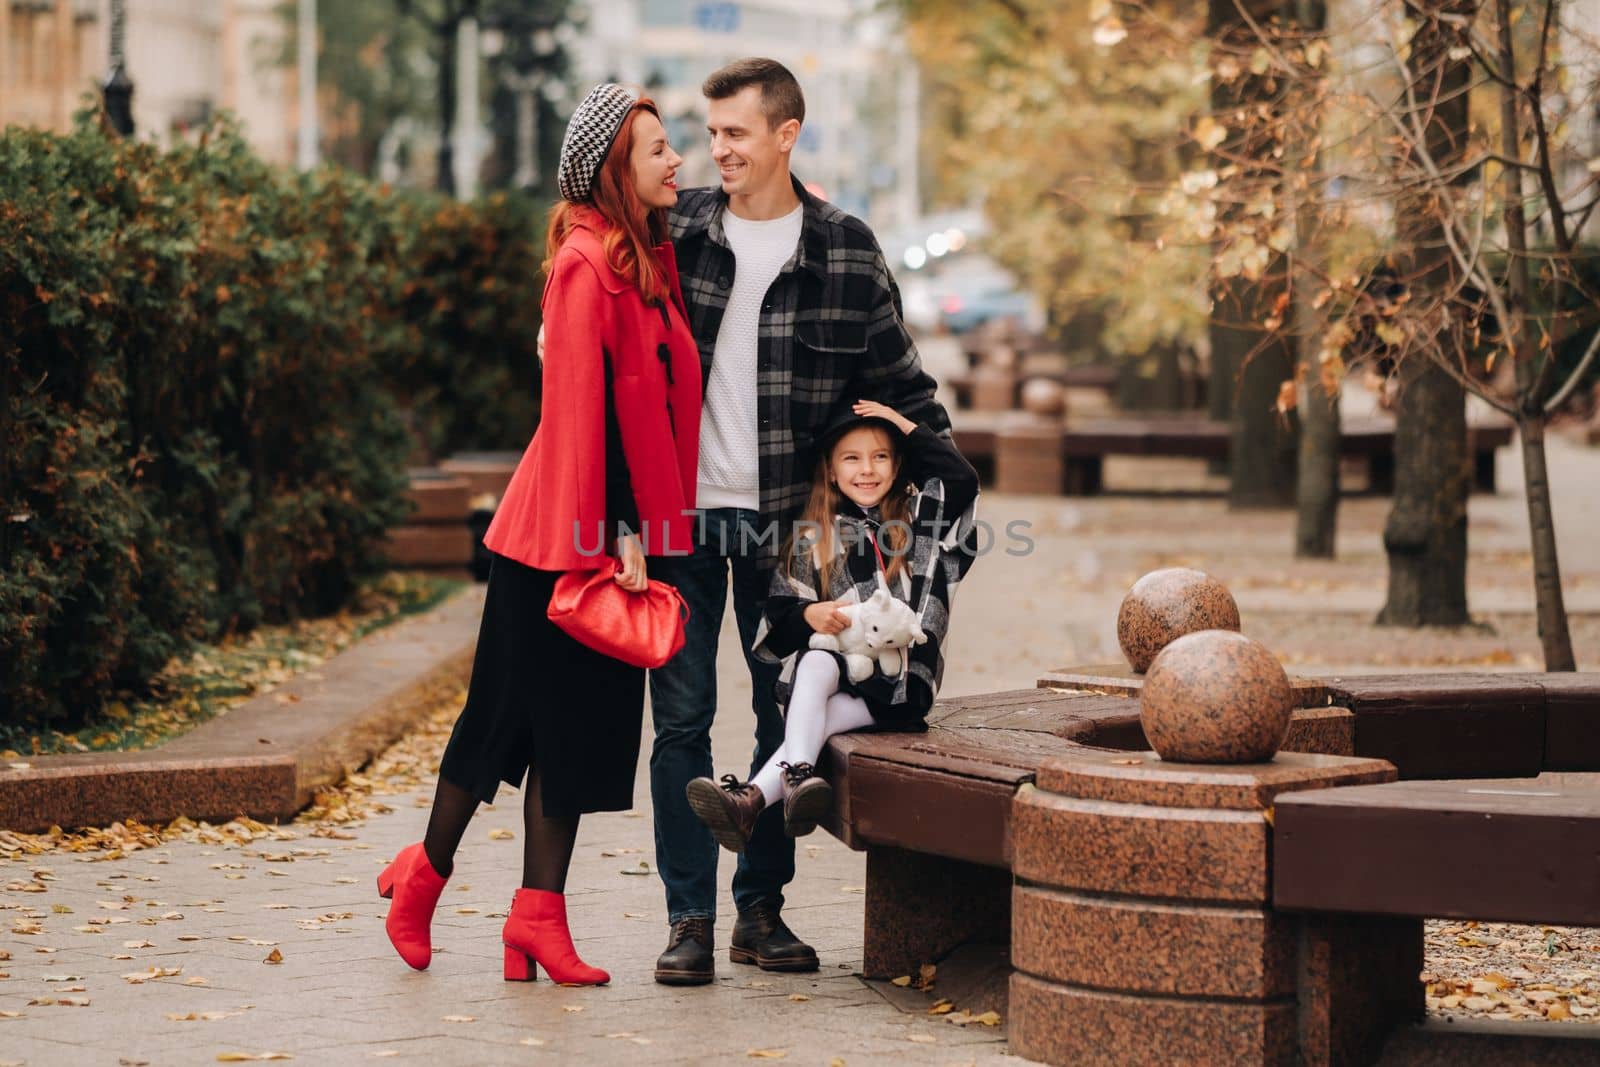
{"type": "Point", "coordinates": [943, 547]}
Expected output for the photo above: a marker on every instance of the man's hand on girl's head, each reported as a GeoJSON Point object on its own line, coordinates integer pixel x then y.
{"type": "Point", "coordinates": [871, 409]}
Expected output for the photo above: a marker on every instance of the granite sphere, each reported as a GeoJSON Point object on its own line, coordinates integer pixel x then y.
{"type": "Point", "coordinates": [1166, 604]}
{"type": "Point", "coordinates": [1044, 396]}
{"type": "Point", "coordinates": [1216, 697]}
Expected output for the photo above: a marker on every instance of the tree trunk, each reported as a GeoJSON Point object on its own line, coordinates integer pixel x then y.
{"type": "Point", "coordinates": [1426, 535]}
{"type": "Point", "coordinates": [1262, 446]}
{"type": "Point", "coordinates": [1549, 605]}
{"type": "Point", "coordinates": [1317, 492]}
{"type": "Point", "coordinates": [445, 172]}
{"type": "Point", "coordinates": [1247, 367]}
{"type": "Point", "coordinates": [1317, 483]}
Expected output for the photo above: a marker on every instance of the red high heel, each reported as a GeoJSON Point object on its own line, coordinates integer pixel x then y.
{"type": "Point", "coordinates": [414, 886]}
{"type": "Point", "coordinates": [536, 932]}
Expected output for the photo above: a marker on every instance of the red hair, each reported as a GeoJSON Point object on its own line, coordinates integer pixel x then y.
{"type": "Point", "coordinates": [633, 231]}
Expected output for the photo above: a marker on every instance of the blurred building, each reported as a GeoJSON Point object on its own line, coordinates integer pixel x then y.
{"type": "Point", "coordinates": [848, 58]}
{"type": "Point", "coordinates": [49, 52]}
{"type": "Point", "coordinates": [188, 59]}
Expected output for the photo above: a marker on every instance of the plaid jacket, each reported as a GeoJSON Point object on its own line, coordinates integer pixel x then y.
{"type": "Point", "coordinates": [831, 325]}
{"type": "Point", "coordinates": [944, 545]}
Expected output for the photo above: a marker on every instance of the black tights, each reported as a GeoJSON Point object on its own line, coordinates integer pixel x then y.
{"type": "Point", "coordinates": [547, 839]}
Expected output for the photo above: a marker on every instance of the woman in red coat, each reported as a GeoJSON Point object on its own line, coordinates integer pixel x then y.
{"type": "Point", "coordinates": [615, 452]}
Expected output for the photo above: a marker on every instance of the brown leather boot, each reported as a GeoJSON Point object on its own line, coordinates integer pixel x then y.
{"type": "Point", "coordinates": [806, 801]}
{"type": "Point", "coordinates": [730, 809]}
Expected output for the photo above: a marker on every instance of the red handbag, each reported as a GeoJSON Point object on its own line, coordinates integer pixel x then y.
{"type": "Point", "coordinates": [644, 629]}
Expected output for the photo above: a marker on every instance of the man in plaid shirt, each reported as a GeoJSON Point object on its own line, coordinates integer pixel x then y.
{"type": "Point", "coordinates": [793, 309]}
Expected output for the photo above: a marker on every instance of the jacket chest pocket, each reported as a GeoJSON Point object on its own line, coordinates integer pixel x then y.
{"type": "Point", "coordinates": [828, 354]}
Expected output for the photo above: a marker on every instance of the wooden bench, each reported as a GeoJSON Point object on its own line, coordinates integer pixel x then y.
{"type": "Point", "coordinates": [1041, 783]}
{"type": "Point", "coordinates": [1471, 725]}
{"type": "Point", "coordinates": [933, 810]}
{"type": "Point", "coordinates": [1366, 864]}
{"type": "Point", "coordinates": [1022, 453]}
{"type": "Point", "coordinates": [1507, 850]}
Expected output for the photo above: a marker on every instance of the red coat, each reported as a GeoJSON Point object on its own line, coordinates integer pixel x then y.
{"type": "Point", "coordinates": [554, 511]}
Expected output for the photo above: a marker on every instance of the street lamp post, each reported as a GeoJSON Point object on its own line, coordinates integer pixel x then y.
{"type": "Point", "coordinates": [527, 73]}
{"type": "Point", "coordinates": [117, 92]}
{"type": "Point", "coordinates": [528, 83]}
{"type": "Point", "coordinates": [306, 46]}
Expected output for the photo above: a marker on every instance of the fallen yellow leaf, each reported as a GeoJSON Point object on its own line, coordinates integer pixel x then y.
{"type": "Point", "coordinates": [459, 1018]}
{"type": "Point", "coordinates": [274, 957]}
{"type": "Point", "coordinates": [767, 1053]}
{"type": "Point", "coordinates": [903, 981]}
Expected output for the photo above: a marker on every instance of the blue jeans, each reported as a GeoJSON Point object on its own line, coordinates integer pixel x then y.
{"type": "Point", "coordinates": [683, 700]}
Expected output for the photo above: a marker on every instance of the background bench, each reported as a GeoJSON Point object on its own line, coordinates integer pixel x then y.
{"type": "Point", "coordinates": [1022, 453]}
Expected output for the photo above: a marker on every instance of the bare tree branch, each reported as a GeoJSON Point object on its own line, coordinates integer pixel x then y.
{"type": "Point", "coordinates": [1575, 377]}
{"type": "Point", "coordinates": [1545, 169]}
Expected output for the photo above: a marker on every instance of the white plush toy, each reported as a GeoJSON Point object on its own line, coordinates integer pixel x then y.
{"type": "Point", "coordinates": [880, 627]}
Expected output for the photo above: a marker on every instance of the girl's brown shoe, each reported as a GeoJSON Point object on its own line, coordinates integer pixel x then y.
{"type": "Point", "coordinates": [807, 800]}
{"type": "Point", "coordinates": [730, 809]}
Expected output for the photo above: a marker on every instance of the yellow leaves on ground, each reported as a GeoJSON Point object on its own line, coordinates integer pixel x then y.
{"type": "Point", "coordinates": [1511, 971]}
{"type": "Point", "coordinates": [501, 834]}
{"type": "Point", "coordinates": [251, 1057]}
{"type": "Point", "coordinates": [767, 1053]}
{"type": "Point", "coordinates": [274, 956]}
{"type": "Point", "coordinates": [458, 1018]}
{"type": "Point", "coordinates": [629, 1035]}
{"type": "Point", "coordinates": [141, 977]}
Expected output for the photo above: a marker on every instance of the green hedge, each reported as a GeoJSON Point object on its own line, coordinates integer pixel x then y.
{"type": "Point", "coordinates": [212, 376]}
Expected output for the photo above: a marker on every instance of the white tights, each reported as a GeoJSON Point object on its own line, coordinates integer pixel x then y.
{"type": "Point", "coordinates": [817, 711]}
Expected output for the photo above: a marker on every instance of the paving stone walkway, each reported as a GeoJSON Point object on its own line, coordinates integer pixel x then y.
{"type": "Point", "coordinates": [161, 956]}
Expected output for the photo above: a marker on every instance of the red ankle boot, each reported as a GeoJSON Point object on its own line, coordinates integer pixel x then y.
{"type": "Point", "coordinates": [414, 886]}
{"type": "Point", "coordinates": [536, 932]}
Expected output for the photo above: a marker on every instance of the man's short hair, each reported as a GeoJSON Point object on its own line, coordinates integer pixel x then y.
{"type": "Point", "coordinates": [781, 98]}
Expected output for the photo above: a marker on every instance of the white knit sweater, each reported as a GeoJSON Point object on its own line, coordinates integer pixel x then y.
{"type": "Point", "coordinates": [729, 443]}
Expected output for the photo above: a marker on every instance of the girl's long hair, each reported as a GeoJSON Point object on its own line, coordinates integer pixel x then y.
{"type": "Point", "coordinates": [634, 231]}
{"type": "Point", "coordinates": [825, 502]}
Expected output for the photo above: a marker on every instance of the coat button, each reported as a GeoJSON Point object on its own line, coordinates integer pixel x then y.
{"type": "Point", "coordinates": [724, 281]}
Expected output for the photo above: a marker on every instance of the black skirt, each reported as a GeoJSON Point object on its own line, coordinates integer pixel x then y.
{"type": "Point", "coordinates": [539, 698]}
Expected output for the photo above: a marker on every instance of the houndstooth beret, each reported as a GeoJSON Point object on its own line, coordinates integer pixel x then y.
{"type": "Point", "coordinates": [590, 134]}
